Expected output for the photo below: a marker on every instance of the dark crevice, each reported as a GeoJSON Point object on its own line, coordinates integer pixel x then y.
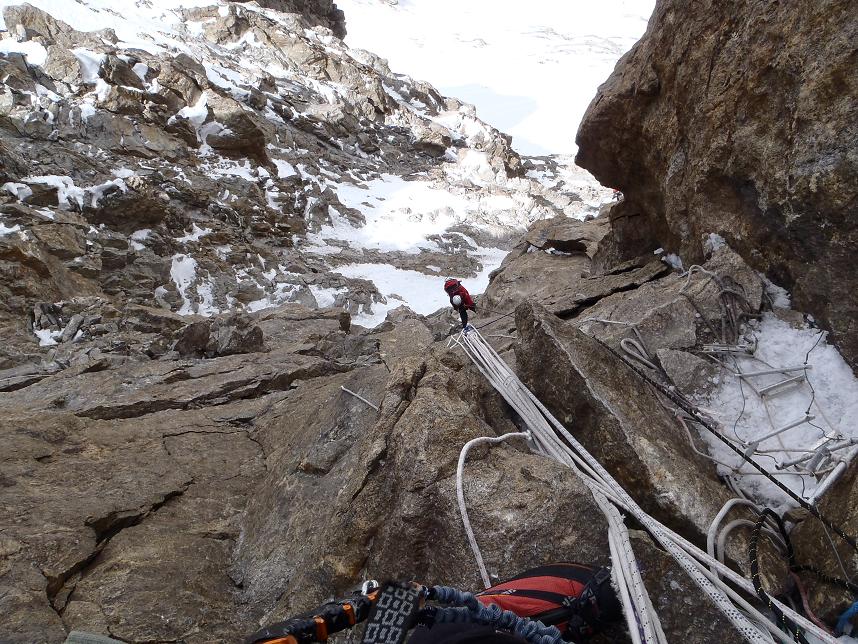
{"type": "Point", "coordinates": [105, 528]}
{"type": "Point", "coordinates": [113, 523]}
{"type": "Point", "coordinates": [584, 304]}
{"type": "Point", "coordinates": [281, 382]}
{"type": "Point", "coordinates": [202, 431]}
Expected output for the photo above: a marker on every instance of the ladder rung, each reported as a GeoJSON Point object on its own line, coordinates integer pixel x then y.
{"type": "Point", "coordinates": [768, 372]}
{"type": "Point", "coordinates": [789, 381]}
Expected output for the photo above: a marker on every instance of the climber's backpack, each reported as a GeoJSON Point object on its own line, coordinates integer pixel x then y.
{"type": "Point", "coordinates": [577, 599]}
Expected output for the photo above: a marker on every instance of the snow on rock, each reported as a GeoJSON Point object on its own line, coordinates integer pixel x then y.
{"type": "Point", "coordinates": [195, 235]}
{"type": "Point", "coordinates": [531, 69]}
{"type": "Point", "coordinates": [35, 52]}
{"type": "Point", "coordinates": [47, 337]}
{"type": "Point", "coordinates": [137, 238]}
{"type": "Point", "coordinates": [67, 192]}
{"type": "Point", "coordinates": [90, 63]}
{"type": "Point", "coordinates": [8, 230]}
{"type": "Point", "coordinates": [212, 124]}
{"type": "Point", "coordinates": [20, 191]}
{"type": "Point", "coordinates": [184, 273]}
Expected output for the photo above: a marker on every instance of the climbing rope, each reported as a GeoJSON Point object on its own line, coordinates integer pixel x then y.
{"type": "Point", "coordinates": [460, 495]}
{"type": "Point", "coordinates": [552, 439]}
{"type": "Point", "coordinates": [697, 417]}
{"type": "Point", "coordinates": [786, 624]}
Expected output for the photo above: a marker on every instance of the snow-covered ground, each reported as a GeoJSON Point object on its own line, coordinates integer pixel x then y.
{"type": "Point", "coordinates": [530, 68]}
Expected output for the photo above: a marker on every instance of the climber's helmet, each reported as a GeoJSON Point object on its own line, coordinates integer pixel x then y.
{"type": "Point", "coordinates": [457, 300]}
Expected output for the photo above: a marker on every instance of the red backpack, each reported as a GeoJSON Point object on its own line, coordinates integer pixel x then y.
{"type": "Point", "coordinates": [577, 599]}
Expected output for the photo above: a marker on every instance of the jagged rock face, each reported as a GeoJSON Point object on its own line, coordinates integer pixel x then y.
{"type": "Point", "coordinates": [740, 120]}
{"type": "Point", "coordinates": [317, 12]}
{"type": "Point", "coordinates": [126, 477]}
{"type": "Point", "coordinates": [618, 419]}
{"type": "Point", "coordinates": [189, 498]}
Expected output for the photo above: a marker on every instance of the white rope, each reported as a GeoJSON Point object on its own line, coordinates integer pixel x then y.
{"type": "Point", "coordinates": [460, 495]}
{"type": "Point", "coordinates": [545, 429]}
{"type": "Point", "coordinates": [716, 523]}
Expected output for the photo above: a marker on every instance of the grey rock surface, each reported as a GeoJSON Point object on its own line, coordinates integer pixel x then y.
{"type": "Point", "coordinates": [739, 120]}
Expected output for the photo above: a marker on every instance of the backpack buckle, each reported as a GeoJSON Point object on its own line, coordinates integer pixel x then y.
{"type": "Point", "coordinates": [602, 575]}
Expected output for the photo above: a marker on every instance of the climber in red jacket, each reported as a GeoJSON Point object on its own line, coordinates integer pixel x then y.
{"type": "Point", "coordinates": [460, 299]}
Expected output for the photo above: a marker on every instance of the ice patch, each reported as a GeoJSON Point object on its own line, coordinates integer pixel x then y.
{"type": "Point", "coordinates": [746, 417]}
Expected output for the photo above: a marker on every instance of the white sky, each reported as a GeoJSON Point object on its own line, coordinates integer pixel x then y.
{"type": "Point", "coordinates": [531, 68]}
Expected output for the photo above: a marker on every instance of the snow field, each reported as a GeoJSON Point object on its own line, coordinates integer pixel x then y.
{"type": "Point", "coordinates": [531, 70]}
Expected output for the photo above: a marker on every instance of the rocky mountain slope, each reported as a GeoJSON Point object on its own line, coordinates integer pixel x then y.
{"type": "Point", "coordinates": [235, 160]}
{"type": "Point", "coordinates": [189, 214]}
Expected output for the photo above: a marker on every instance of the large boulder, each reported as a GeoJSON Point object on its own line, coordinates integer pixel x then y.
{"type": "Point", "coordinates": [29, 22]}
{"type": "Point", "coordinates": [740, 120]}
{"type": "Point", "coordinates": [617, 417]}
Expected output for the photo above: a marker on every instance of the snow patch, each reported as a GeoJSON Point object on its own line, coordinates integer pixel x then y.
{"type": "Point", "coordinates": [47, 337]}
{"type": "Point", "coordinates": [195, 234]}
{"type": "Point", "coordinates": [20, 191]}
{"type": "Point", "coordinates": [284, 169]}
{"type": "Point", "coordinates": [673, 260]}
{"type": "Point", "coordinates": [326, 297]}
{"type": "Point", "coordinates": [832, 401]}
{"type": "Point", "coordinates": [183, 271]}
{"type": "Point", "coordinates": [779, 296]}
{"type": "Point", "coordinates": [713, 242]}
{"type": "Point", "coordinates": [67, 192]}
{"type": "Point", "coordinates": [35, 52]}
{"type": "Point", "coordinates": [90, 63]}
{"type": "Point", "coordinates": [6, 230]}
